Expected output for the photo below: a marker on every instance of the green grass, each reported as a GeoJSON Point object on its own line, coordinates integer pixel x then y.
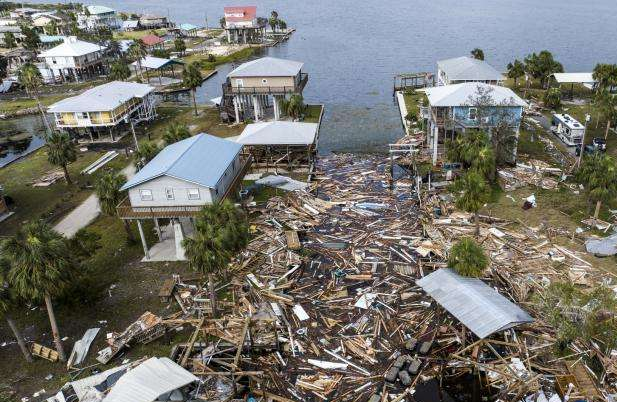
{"type": "Point", "coordinates": [50, 202]}
{"type": "Point", "coordinates": [139, 34]}
{"type": "Point", "coordinates": [413, 101]}
{"type": "Point", "coordinates": [312, 113]}
{"type": "Point", "coordinates": [14, 105]}
{"type": "Point", "coordinates": [202, 59]}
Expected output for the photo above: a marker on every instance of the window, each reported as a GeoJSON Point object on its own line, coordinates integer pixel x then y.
{"type": "Point", "coordinates": [193, 193]}
{"type": "Point", "coordinates": [84, 115]}
{"type": "Point", "coordinates": [146, 195]}
{"type": "Point", "coordinates": [473, 113]}
{"type": "Point", "coordinates": [169, 193]}
{"type": "Point", "coordinates": [239, 83]}
{"type": "Point", "coordinates": [53, 60]}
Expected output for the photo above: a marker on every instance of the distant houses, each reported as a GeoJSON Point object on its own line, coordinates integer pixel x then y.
{"type": "Point", "coordinates": [73, 60]}
{"type": "Point", "coordinates": [150, 21]}
{"type": "Point", "coordinates": [95, 17]}
{"type": "Point", "coordinates": [467, 69]}
{"type": "Point", "coordinates": [103, 109]}
{"type": "Point", "coordinates": [242, 25]}
{"type": "Point", "coordinates": [255, 89]}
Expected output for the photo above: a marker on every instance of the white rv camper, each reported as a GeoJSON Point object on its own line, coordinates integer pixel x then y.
{"type": "Point", "coordinates": [568, 129]}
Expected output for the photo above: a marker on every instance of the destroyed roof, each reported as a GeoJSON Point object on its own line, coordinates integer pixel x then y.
{"type": "Point", "coordinates": [267, 67]}
{"type": "Point", "coordinates": [469, 69]}
{"type": "Point", "coordinates": [475, 304]}
{"type": "Point", "coordinates": [102, 98]}
{"type": "Point", "coordinates": [149, 380]}
{"type": "Point", "coordinates": [279, 133]}
{"type": "Point", "coordinates": [201, 159]}
{"type": "Point", "coordinates": [462, 94]}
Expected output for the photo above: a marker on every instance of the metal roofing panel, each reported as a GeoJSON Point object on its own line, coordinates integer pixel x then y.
{"type": "Point", "coordinates": [469, 69]}
{"type": "Point", "coordinates": [201, 159]}
{"type": "Point", "coordinates": [475, 304]}
{"type": "Point", "coordinates": [102, 98]}
{"type": "Point", "coordinates": [267, 67]}
{"type": "Point", "coordinates": [156, 62]}
{"type": "Point", "coordinates": [149, 380]}
{"type": "Point", "coordinates": [278, 133]}
{"type": "Point", "coordinates": [72, 47]}
{"type": "Point", "coordinates": [574, 78]}
{"type": "Point", "coordinates": [462, 94]}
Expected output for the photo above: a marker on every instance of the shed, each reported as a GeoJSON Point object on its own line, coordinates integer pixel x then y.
{"type": "Point", "coordinates": [475, 304]}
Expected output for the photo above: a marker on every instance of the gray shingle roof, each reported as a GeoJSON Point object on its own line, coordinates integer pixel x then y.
{"type": "Point", "coordinates": [469, 69]}
{"type": "Point", "coordinates": [201, 159]}
{"type": "Point", "coordinates": [475, 304]}
{"type": "Point", "coordinates": [267, 67]}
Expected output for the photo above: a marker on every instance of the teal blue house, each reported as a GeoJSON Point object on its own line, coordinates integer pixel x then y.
{"type": "Point", "coordinates": [452, 109]}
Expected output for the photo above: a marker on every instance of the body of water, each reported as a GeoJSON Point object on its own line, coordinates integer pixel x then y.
{"type": "Point", "coordinates": [12, 144]}
{"type": "Point", "coordinates": [352, 50]}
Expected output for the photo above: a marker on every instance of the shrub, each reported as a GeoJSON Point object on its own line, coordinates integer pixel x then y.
{"type": "Point", "coordinates": [467, 258]}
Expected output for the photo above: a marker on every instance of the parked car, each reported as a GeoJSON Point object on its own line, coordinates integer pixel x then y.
{"type": "Point", "coordinates": [599, 144]}
{"type": "Point", "coordinates": [589, 149]}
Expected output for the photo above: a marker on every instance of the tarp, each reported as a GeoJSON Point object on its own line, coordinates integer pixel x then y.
{"type": "Point", "coordinates": [282, 182]}
{"type": "Point", "coordinates": [475, 304]}
{"type": "Point", "coordinates": [149, 380]}
{"type": "Point", "coordinates": [602, 246]}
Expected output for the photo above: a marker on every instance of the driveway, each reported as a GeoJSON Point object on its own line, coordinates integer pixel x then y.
{"type": "Point", "coordinates": [86, 212]}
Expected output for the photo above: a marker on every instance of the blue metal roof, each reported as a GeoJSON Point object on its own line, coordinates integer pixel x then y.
{"type": "Point", "coordinates": [201, 159]}
{"type": "Point", "coordinates": [188, 27]}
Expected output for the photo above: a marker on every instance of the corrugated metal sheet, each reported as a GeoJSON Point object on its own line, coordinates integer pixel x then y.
{"type": "Point", "coordinates": [267, 67]}
{"type": "Point", "coordinates": [149, 380]}
{"type": "Point", "coordinates": [469, 69]}
{"type": "Point", "coordinates": [201, 159]}
{"type": "Point", "coordinates": [475, 304]}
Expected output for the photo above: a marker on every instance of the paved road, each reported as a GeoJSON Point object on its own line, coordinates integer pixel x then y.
{"type": "Point", "coordinates": [86, 212]}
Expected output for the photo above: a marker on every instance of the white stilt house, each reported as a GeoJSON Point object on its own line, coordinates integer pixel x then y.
{"type": "Point", "coordinates": [104, 108]}
{"type": "Point", "coordinates": [179, 181]}
{"type": "Point", "coordinates": [254, 89]}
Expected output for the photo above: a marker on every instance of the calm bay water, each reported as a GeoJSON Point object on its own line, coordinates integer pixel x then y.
{"type": "Point", "coordinates": [352, 49]}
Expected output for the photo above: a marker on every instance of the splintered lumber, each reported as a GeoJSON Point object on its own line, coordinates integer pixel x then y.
{"type": "Point", "coordinates": [166, 291]}
{"type": "Point", "coordinates": [44, 352]}
{"type": "Point", "coordinates": [293, 242]}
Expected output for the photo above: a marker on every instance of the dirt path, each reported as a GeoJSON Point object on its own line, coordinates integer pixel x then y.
{"type": "Point", "coordinates": [86, 212]}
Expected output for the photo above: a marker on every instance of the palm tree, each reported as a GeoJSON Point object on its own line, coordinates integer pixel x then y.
{"type": "Point", "coordinates": [294, 106]}
{"type": "Point", "coordinates": [471, 195]}
{"type": "Point", "coordinates": [7, 302]}
{"type": "Point", "coordinates": [175, 133]}
{"type": "Point", "coordinates": [31, 79]}
{"type": "Point", "coordinates": [61, 151]}
{"type": "Point", "coordinates": [282, 25]}
{"type": "Point", "coordinates": [477, 54]}
{"type": "Point", "coordinates": [220, 231]}
{"type": "Point", "coordinates": [145, 153]}
{"type": "Point", "coordinates": [137, 51]}
{"type": "Point", "coordinates": [52, 27]}
{"type": "Point", "coordinates": [273, 23]}
{"type": "Point", "coordinates": [222, 22]}
{"type": "Point", "coordinates": [552, 98]}
{"type": "Point", "coordinates": [191, 79]}
{"type": "Point", "coordinates": [598, 174]}
{"type": "Point", "coordinates": [119, 71]}
{"type": "Point", "coordinates": [41, 266]}
{"type": "Point", "coordinates": [467, 258]}
{"type": "Point", "coordinates": [9, 40]}
{"type": "Point", "coordinates": [516, 70]}
{"type": "Point", "coordinates": [114, 48]}
{"type": "Point", "coordinates": [180, 46]}
{"type": "Point", "coordinates": [107, 189]}
{"type": "Point", "coordinates": [607, 105]}
{"type": "Point", "coordinates": [605, 75]}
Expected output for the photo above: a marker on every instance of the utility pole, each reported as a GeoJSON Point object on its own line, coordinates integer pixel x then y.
{"type": "Point", "coordinates": [134, 135]}
{"type": "Point", "coordinates": [580, 155]}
